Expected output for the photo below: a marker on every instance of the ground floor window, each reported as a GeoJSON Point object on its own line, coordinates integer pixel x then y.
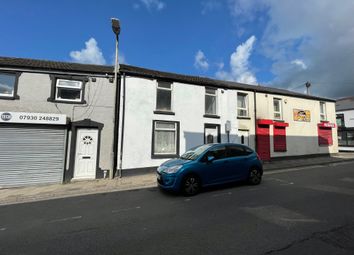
{"type": "Point", "coordinates": [279, 139]}
{"type": "Point", "coordinates": [346, 138]}
{"type": "Point", "coordinates": [325, 136]}
{"type": "Point", "coordinates": [165, 139]}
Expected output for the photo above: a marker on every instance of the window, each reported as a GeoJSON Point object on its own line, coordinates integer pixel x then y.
{"type": "Point", "coordinates": [279, 139]}
{"type": "Point", "coordinates": [210, 101]}
{"type": "Point", "coordinates": [346, 138]}
{"type": "Point", "coordinates": [323, 111]}
{"type": "Point", "coordinates": [242, 105]}
{"type": "Point", "coordinates": [236, 151]}
{"type": "Point", "coordinates": [165, 139]}
{"type": "Point", "coordinates": [340, 120]}
{"type": "Point", "coordinates": [218, 153]}
{"type": "Point", "coordinates": [325, 136]}
{"type": "Point", "coordinates": [8, 85]}
{"type": "Point", "coordinates": [164, 96]}
{"type": "Point", "coordinates": [277, 109]}
{"type": "Point", "coordinates": [68, 90]}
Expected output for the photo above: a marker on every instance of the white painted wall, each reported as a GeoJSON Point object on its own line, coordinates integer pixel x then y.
{"type": "Point", "coordinates": [348, 118]}
{"type": "Point", "coordinates": [188, 105]}
{"type": "Point", "coordinates": [302, 137]}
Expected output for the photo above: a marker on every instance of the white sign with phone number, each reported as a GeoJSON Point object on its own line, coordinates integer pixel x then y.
{"type": "Point", "coordinates": [33, 118]}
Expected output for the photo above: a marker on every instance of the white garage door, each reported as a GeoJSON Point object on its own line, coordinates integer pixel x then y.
{"type": "Point", "coordinates": [31, 155]}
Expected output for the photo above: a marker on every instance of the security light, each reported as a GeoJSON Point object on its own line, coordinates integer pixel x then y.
{"type": "Point", "coordinates": [115, 26]}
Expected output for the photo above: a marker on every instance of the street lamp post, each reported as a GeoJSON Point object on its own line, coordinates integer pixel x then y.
{"type": "Point", "coordinates": [116, 31]}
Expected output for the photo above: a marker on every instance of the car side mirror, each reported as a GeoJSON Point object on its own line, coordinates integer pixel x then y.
{"type": "Point", "coordinates": [210, 158]}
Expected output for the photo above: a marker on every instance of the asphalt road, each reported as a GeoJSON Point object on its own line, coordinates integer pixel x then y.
{"type": "Point", "coordinates": [307, 211]}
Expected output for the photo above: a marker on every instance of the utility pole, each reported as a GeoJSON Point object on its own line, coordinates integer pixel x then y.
{"type": "Point", "coordinates": [308, 85]}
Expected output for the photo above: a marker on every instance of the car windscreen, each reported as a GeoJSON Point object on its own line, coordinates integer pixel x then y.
{"type": "Point", "coordinates": [195, 152]}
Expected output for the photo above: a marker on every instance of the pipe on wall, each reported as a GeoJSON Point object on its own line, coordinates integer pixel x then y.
{"type": "Point", "coordinates": [122, 132]}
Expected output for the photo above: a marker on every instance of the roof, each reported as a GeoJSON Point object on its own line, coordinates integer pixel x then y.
{"type": "Point", "coordinates": [346, 103]}
{"type": "Point", "coordinates": [45, 65]}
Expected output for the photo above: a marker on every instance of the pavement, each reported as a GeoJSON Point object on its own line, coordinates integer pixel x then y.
{"type": "Point", "coordinates": [80, 188]}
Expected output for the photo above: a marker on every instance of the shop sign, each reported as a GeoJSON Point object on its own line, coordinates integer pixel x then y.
{"type": "Point", "coordinates": [33, 118]}
{"type": "Point", "coordinates": [327, 125]}
{"type": "Point", "coordinates": [302, 115]}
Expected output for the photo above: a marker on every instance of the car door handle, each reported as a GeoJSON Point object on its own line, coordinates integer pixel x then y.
{"type": "Point", "coordinates": [86, 157]}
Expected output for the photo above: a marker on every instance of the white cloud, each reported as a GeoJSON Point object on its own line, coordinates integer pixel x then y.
{"type": "Point", "coordinates": [300, 63]}
{"type": "Point", "coordinates": [239, 64]}
{"type": "Point", "coordinates": [92, 54]}
{"type": "Point", "coordinates": [320, 31]}
{"type": "Point", "coordinates": [152, 5]}
{"type": "Point", "coordinates": [200, 61]}
{"type": "Point", "coordinates": [209, 6]}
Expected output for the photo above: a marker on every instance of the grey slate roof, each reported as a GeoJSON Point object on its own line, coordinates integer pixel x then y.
{"type": "Point", "coordinates": [34, 64]}
{"type": "Point", "coordinates": [346, 103]}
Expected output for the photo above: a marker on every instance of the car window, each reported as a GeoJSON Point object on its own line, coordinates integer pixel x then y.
{"type": "Point", "coordinates": [236, 151]}
{"type": "Point", "coordinates": [248, 150]}
{"type": "Point", "coordinates": [218, 152]}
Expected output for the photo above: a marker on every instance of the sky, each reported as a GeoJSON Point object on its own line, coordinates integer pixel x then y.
{"type": "Point", "coordinates": [273, 43]}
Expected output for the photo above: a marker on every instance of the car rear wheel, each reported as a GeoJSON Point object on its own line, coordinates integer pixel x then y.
{"type": "Point", "coordinates": [255, 176]}
{"type": "Point", "coordinates": [190, 185]}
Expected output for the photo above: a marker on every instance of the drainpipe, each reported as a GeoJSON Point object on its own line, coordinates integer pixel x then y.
{"type": "Point", "coordinates": [116, 126]}
{"type": "Point", "coordinates": [122, 132]}
{"type": "Point", "coordinates": [255, 119]}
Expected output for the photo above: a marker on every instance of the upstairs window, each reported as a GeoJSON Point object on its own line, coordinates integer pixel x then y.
{"type": "Point", "coordinates": [278, 115]}
{"type": "Point", "coordinates": [323, 116]}
{"type": "Point", "coordinates": [210, 101]}
{"type": "Point", "coordinates": [242, 105]}
{"type": "Point", "coordinates": [68, 90]}
{"type": "Point", "coordinates": [340, 120]}
{"type": "Point", "coordinates": [164, 96]}
{"type": "Point", "coordinates": [8, 85]}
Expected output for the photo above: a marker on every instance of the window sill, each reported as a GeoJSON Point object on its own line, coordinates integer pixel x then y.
{"type": "Point", "coordinates": [10, 98]}
{"type": "Point", "coordinates": [243, 117]}
{"type": "Point", "coordinates": [162, 156]}
{"type": "Point", "coordinates": [164, 112]}
{"type": "Point", "coordinates": [211, 116]}
{"type": "Point", "coordinates": [65, 102]}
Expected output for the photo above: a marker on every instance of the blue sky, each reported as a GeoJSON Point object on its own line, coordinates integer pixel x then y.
{"type": "Point", "coordinates": [276, 43]}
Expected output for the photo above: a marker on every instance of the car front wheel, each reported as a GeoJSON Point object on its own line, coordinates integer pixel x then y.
{"type": "Point", "coordinates": [190, 185]}
{"type": "Point", "coordinates": [255, 176]}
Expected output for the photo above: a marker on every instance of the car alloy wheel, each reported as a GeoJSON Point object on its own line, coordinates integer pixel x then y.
{"type": "Point", "coordinates": [255, 176]}
{"type": "Point", "coordinates": [191, 185]}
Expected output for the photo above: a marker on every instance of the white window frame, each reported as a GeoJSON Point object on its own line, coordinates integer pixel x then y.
{"type": "Point", "coordinates": [175, 129]}
{"type": "Point", "coordinates": [14, 86]}
{"type": "Point", "coordinates": [78, 87]}
{"type": "Point", "coordinates": [216, 101]}
{"type": "Point", "coordinates": [323, 115]}
{"type": "Point", "coordinates": [246, 103]}
{"type": "Point", "coordinates": [280, 112]}
{"type": "Point", "coordinates": [166, 89]}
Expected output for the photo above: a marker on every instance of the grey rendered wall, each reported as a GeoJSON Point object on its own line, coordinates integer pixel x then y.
{"type": "Point", "coordinates": [34, 90]}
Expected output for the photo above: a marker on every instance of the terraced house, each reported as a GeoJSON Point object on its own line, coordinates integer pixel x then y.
{"type": "Point", "coordinates": [63, 121]}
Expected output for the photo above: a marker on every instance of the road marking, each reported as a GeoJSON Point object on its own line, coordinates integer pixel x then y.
{"type": "Point", "coordinates": [278, 215]}
{"type": "Point", "coordinates": [126, 209]}
{"type": "Point", "coordinates": [347, 179]}
{"type": "Point", "coordinates": [2, 229]}
{"type": "Point", "coordinates": [332, 189]}
{"type": "Point", "coordinates": [222, 194]}
{"type": "Point", "coordinates": [283, 182]}
{"type": "Point", "coordinates": [66, 219]}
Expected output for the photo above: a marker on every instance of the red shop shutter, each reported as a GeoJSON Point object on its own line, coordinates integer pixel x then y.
{"type": "Point", "coordinates": [325, 136]}
{"type": "Point", "coordinates": [279, 139]}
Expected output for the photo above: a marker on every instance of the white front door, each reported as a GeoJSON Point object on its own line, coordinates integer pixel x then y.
{"type": "Point", "coordinates": [86, 153]}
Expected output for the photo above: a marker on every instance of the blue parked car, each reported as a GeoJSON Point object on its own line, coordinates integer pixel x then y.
{"type": "Point", "coordinates": [210, 164]}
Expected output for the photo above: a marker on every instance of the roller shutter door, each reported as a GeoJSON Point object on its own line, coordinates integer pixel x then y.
{"type": "Point", "coordinates": [31, 155]}
{"type": "Point", "coordinates": [325, 136]}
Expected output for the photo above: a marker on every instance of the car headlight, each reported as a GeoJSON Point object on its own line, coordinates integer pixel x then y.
{"type": "Point", "coordinates": [172, 169]}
